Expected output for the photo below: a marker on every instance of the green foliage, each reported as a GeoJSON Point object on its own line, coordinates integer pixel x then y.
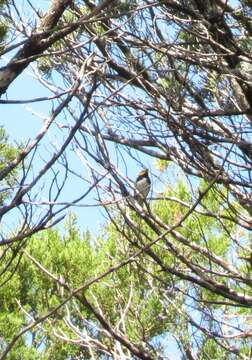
{"type": "Point", "coordinates": [3, 25]}
{"type": "Point", "coordinates": [7, 154]}
{"type": "Point", "coordinates": [153, 308]}
{"type": "Point", "coordinates": [210, 350]}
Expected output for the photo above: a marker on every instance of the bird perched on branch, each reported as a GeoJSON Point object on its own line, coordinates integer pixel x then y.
{"type": "Point", "coordinates": [142, 186]}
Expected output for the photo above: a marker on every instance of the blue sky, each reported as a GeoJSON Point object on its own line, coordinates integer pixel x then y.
{"type": "Point", "coordinates": [22, 124]}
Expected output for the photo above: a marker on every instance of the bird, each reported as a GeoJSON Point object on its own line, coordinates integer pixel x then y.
{"type": "Point", "coordinates": [142, 186]}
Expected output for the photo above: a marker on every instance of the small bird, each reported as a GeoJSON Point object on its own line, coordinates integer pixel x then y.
{"type": "Point", "coordinates": [142, 186]}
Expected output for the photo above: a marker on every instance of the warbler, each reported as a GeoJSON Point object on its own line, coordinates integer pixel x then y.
{"type": "Point", "coordinates": [142, 186]}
